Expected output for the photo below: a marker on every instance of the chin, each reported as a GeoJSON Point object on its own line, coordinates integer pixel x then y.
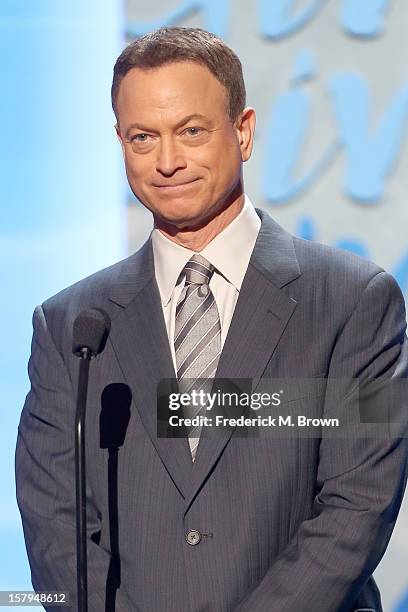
{"type": "Point", "coordinates": [182, 221]}
{"type": "Point", "coordinates": [181, 215]}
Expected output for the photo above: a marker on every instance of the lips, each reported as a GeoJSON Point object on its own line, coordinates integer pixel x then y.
{"type": "Point", "coordinates": [182, 185]}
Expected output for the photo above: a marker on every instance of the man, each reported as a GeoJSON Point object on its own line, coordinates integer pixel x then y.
{"type": "Point", "coordinates": [212, 523]}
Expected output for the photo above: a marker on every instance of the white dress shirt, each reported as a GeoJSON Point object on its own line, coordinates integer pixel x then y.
{"type": "Point", "coordinates": [229, 252]}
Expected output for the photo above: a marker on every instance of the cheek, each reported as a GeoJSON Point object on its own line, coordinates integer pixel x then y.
{"type": "Point", "coordinates": [137, 171]}
{"type": "Point", "coordinates": [227, 166]}
{"type": "Point", "coordinates": [220, 160]}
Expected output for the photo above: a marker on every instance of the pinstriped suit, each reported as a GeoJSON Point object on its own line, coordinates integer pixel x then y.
{"type": "Point", "coordinates": [287, 525]}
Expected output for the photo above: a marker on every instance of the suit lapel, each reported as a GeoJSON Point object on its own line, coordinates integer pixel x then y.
{"type": "Point", "coordinates": [140, 341]}
{"type": "Point", "coordinates": [260, 317]}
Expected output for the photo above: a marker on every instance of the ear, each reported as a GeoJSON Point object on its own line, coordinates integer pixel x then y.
{"type": "Point", "coordinates": [245, 127]}
{"type": "Point", "coordinates": [118, 134]}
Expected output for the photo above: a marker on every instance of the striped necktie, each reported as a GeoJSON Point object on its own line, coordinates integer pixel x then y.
{"type": "Point", "coordinates": [197, 336]}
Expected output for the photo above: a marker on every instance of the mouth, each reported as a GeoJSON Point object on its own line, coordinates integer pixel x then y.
{"type": "Point", "coordinates": [170, 188]}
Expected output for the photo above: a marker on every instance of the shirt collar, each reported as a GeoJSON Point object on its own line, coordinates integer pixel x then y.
{"type": "Point", "coordinates": [229, 252]}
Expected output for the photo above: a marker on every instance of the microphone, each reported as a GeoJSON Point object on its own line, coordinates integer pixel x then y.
{"type": "Point", "coordinates": [113, 423]}
{"type": "Point", "coordinates": [90, 332]}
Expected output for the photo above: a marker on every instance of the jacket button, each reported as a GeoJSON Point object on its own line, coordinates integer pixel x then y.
{"type": "Point", "coordinates": [193, 537]}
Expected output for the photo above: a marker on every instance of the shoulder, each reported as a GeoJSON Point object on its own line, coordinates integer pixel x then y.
{"type": "Point", "coordinates": [90, 290]}
{"type": "Point", "coordinates": [116, 283]}
{"type": "Point", "coordinates": [333, 264]}
{"type": "Point", "coordinates": [327, 278]}
{"type": "Point", "coordinates": [341, 282]}
{"type": "Point", "coordinates": [312, 261]}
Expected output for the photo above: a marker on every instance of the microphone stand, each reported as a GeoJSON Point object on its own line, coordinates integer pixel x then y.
{"type": "Point", "coordinates": [80, 482]}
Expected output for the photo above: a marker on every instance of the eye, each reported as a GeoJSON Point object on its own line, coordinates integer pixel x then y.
{"type": "Point", "coordinates": [194, 131]}
{"type": "Point", "coordinates": [140, 138]}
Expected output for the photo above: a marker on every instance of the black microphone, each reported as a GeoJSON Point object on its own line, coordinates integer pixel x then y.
{"type": "Point", "coordinates": [90, 332]}
{"type": "Point", "coordinates": [113, 423]}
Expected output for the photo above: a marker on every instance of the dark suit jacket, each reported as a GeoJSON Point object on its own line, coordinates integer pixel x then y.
{"type": "Point", "coordinates": [288, 524]}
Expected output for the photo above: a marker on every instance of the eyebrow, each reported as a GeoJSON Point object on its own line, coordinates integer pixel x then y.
{"type": "Point", "coordinates": [182, 122]}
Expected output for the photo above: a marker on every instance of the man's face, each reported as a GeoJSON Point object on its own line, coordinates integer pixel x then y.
{"type": "Point", "coordinates": [182, 153]}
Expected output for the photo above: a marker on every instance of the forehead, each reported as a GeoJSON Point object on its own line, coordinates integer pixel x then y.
{"type": "Point", "coordinates": [169, 92]}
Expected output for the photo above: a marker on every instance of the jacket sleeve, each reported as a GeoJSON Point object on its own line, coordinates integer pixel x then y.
{"type": "Point", "coordinates": [360, 480]}
{"type": "Point", "coordinates": [45, 478]}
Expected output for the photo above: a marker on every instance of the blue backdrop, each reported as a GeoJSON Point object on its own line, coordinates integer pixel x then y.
{"type": "Point", "coordinates": [61, 191]}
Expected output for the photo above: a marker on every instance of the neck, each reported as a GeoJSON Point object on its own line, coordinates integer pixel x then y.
{"type": "Point", "coordinates": [196, 239]}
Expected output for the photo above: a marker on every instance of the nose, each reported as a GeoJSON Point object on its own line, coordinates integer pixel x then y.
{"type": "Point", "coordinates": [170, 157]}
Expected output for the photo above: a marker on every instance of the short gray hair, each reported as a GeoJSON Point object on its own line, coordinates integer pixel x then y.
{"type": "Point", "coordinates": [171, 45]}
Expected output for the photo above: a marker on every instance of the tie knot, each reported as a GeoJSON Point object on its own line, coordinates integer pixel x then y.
{"type": "Point", "coordinates": [198, 270]}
